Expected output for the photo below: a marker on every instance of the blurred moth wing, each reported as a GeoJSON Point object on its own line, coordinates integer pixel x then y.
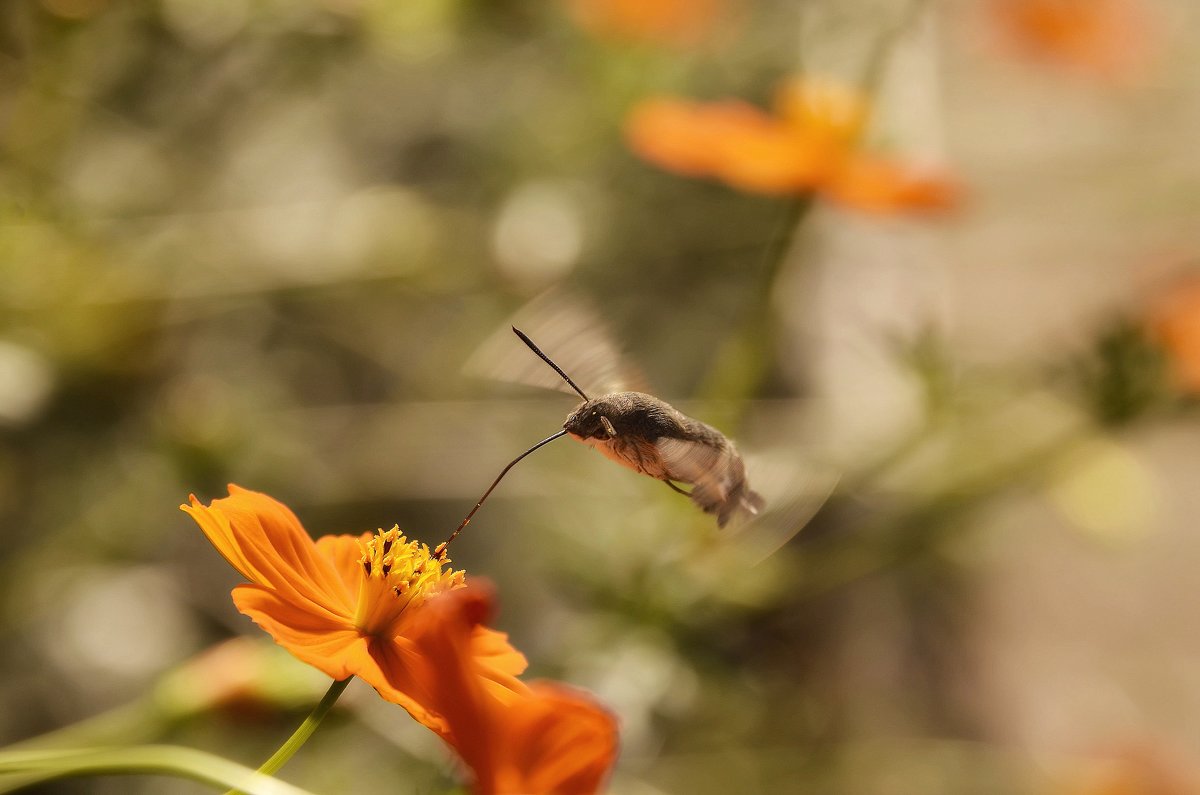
{"type": "Point", "coordinates": [717, 474]}
{"type": "Point", "coordinates": [794, 490]}
{"type": "Point", "coordinates": [569, 330]}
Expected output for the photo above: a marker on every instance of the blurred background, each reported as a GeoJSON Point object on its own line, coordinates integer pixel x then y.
{"type": "Point", "coordinates": [255, 241]}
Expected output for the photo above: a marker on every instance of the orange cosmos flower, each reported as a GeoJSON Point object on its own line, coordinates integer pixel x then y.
{"type": "Point", "coordinates": [537, 739]}
{"type": "Point", "coordinates": [1108, 38]}
{"type": "Point", "coordinates": [809, 144]}
{"type": "Point", "coordinates": [344, 604]}
{"type": "Point", "coordinates": [1174, 323]}
{"type": "Point", "coordinates": [674, 22]}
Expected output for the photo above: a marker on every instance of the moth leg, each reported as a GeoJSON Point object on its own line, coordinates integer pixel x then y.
{"type": "Point", "coordinates": [608, 427]}
{"type": "Point", "coordinates": [676, 489]}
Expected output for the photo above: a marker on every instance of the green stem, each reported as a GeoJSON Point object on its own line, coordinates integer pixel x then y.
{"type": "Point", "coordinates": [20, 769]}
{"type": "Point", "coordinates": [742, 361]}
{"type": "Point", "coordinates": [777, 251]}
{"type": "Point", "coordinates": [305, 730]}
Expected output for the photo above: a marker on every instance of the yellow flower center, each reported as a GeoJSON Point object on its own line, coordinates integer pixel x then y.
{"type": "Point", "coordinates": [398, 574]}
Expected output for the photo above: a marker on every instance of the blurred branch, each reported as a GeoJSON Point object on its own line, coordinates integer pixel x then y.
{"type": "Point", "coordinates": [885, 45]}
{"type": "Point", "coordinates": [893, 540]}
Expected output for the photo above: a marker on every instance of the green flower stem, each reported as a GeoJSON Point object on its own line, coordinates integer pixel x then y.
{"type": "Point", "coordinates": [305, 730]}
{"type": "Point", "coordinates": [742, 361]}
{"type": "Point", "coordinates": [20, 769]}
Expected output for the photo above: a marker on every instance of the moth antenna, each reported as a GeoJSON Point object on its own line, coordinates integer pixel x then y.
{"type": "Point", "coordinates": [548, 361]}
{"type": "Point", "coordinates": [440, 551]}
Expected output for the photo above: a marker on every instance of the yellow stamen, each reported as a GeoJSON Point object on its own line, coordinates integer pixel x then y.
{"type": "Point", "coordinates": [398, 574]}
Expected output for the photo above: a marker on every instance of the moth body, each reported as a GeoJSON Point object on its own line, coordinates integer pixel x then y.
{"type": "Point", "coordinates": [652, 437]}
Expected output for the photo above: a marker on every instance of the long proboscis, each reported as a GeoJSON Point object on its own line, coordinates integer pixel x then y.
{"type": "Point", "coordinates": [441, 549]}
{"type": "Point", "coordinates": [548, 361]}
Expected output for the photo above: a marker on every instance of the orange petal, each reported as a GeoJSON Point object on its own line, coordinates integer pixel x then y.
{"type": "Point", "coordinates": [680, 22]}
{"type": "Point", "coordinates": [263, 539]}
{"type": "Point", "coordinates": [555, 741]}
{"type": "Point", "coordinates": [822, 108]}
{"type": "Point", "coordinates": [885, 186]}
{"type": "Point", "coordinates": [344, 555]}
{"type": "Point", "coordinates": [1174, 323]}
{"type": "Point", "coordinates": [340, 652]}
{"type": "Point", "coordinates": [442, 641]}
{"type": "Point", "coordinates": [404, 677]}
{"type": "Point", "coordinates": [392, 666]}
{"type": "Point", "coordinates": [1108, 38]}
{"type": "Point", "coordinates": [516, 739]}
{"type": "Point", "coordinates": [497, 658]}
{"type": "Point", "coordinates": [684, 137]}
{"type": "Point", "coordinates": [774, 160]}
{"type": "Point", "coordinates": [732, 141]}
{"type": "Point", "coordinates": [409, 677]}
{"type": "Point", "coordinates": [324, 641]}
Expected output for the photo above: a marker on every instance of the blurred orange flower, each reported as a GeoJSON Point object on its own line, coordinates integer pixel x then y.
{"type": "Point", "coordinates": [810, 143]}
{"type": "Point", "coordinates": [676, 22]}
{"type": "Point", "coordinates": [1133, 769]}
{"type": "Point", "coordinates": [1104, 37]}
{"type": "Point", "coordinates": [537, 739]}
{"type": "Point", "coordinates": [1174, 323]}
{"type": "Point", "coordinates": [241, 677]}
{"type": "Point", "coordinates": [344, 604]}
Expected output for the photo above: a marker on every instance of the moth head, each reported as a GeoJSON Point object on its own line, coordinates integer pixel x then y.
{"type": "Point", "coordinates": [590, 421]}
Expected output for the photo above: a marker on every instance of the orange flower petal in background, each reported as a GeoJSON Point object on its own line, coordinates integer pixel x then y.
{"type": "Point", "coordinates": [878, 185]}
{"type": "Point", "coordinates": [1109, 38]}
{"type": "Point", "coordinates": [539, 739]}
{"type": "Point", "coordinates": [824, 108]}
{"type": "Point", "coordinates": [1174, 323]}
{"type": "Point", "coordinates": [346, 604]}
{"type": "Point", "coordinates": [687, 137]}
{"type": "Point", "coordinates": [730, 140]}
{"type": "Point", "coordinates": [241, 676]}
{"type": "Point", "coordinates": [672, 22]}
{"type": "Point", "coordinates": [1131, 768]}
{"type": "Point", "coordinates": [775, 160]}
{"type": "Point", "coordinates": [811, 144]}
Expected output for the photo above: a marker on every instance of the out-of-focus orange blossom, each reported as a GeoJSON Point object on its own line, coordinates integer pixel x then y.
{"type": "Point", "coordinates": [1133, 770]}
{"type": "Point", "coordinates": [1107, 38]}
{"type": "Point", "coordinates": [1173, 322]}
{"type": "Point", "coordinates": [241, 677]}
{"type": "Point", "coordinates": [809, 144]}
{"type": "Point", "coordinates": [671, 22]}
